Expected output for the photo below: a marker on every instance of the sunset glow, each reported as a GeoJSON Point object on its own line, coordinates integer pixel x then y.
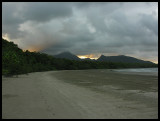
{"type": "Point", "coordinates": [34, 48]}
{"type": "Point", "coordinates": [5, 36]}
{"type": "Point", "coordinates": [91, 56]}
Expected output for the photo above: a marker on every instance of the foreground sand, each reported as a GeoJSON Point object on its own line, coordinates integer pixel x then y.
{"type": "Point", "coordinates": [80, 94]}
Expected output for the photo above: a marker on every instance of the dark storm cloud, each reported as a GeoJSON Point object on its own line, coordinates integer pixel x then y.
{"type": "Point", "coordinates": [14, 14]}
{"type": "Point", "coordinates": [150, 23]}
{"type": "Point", "coordinates": [10, 22]}
{"type": "Point", "coordinates": [35, 11]}
{"type": "Point", "coordinates": [42, 12]}
{"type": "Point", "coordinates": [84, 27]}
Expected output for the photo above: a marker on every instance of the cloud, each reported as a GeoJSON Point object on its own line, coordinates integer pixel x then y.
{"type": "Point", "coordinates": [84, 28]}
{"type": "Point", "coordinates": [45, 11]}
{"type": "Point", "coordinates": [150, 23]}
{"type": "Point", "coordinates": [17, 13]}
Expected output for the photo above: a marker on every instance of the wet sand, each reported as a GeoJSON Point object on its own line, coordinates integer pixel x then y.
{"type": "Point", "coordinates": [80, 94]}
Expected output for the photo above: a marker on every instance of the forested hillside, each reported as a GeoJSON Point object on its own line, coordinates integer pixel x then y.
{"type": "Point", "coordinates": [15, 61]}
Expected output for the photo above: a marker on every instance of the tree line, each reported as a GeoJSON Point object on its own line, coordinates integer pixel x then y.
{"type": "Point", "coordinates": [15, 61]}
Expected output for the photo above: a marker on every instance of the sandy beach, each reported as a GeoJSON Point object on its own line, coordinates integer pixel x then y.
{"type": "Point", "coordinates": [80, 94]}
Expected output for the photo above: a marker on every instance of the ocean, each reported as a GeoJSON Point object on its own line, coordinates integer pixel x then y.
{"type": "Point", "coordinates": [145, 71]}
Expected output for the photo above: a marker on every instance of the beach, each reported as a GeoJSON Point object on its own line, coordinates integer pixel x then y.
{"type": "Point", "coordinates": [80, 94]}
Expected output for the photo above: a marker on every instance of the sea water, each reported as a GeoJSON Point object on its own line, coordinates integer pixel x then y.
{"type": "Point", "coordinates": [145, 71]}
{"type": "Point", "coordinates": [138, 70]}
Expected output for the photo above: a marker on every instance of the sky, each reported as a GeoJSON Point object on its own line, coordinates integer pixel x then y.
{"type": "Point", "coordinates": [86, 29]}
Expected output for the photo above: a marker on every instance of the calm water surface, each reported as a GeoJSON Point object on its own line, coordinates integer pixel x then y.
{"type": "Point", "coordinates": [152, 71]}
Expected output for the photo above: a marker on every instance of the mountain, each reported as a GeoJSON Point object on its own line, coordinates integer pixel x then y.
{"type": "Point", "coordinates": [88, 59]}
{"type": "Point", "coordinates": [67, 55]}
{"type": "Point", "coordinates": [121, 58]}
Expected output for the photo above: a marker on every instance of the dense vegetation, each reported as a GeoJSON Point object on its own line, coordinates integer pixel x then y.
{"type": "Point", "coordinates": [15, 61]}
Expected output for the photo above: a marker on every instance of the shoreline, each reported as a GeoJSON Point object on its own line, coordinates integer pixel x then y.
{"type": "Point", "coordinates": [79, 95]}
